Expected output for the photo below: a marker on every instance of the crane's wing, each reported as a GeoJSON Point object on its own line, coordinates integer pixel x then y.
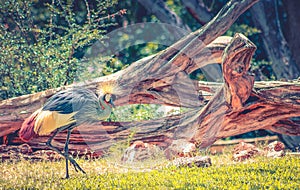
{"type": "Point", "coordinates": [70, 100]}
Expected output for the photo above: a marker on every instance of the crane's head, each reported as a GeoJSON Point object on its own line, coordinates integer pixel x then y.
{"type": "Point", "coordinates": [107, 92]}
{"type": "Point", "coordinates": [109, 99]}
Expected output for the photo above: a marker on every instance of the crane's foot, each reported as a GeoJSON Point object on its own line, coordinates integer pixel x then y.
{"type": "Point", "coordinates": [67, 177]}
{"type": "Point", "coordinates": [76, 166]}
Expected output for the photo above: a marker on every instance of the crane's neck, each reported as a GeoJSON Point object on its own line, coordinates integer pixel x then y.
{"type": "Point", "coordinates": [106, 110]}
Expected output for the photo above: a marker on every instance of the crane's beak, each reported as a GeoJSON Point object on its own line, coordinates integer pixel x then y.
{"type": "Point", "coordinates": [112, 103]}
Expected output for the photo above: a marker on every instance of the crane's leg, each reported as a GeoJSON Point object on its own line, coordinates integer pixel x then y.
{"type": "Point", "coordinates": [74, 163]}
{"type": "Point", "coordinates": [66, 149]}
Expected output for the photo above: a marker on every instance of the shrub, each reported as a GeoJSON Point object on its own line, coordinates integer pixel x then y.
{"type": "Point", "coordinates": [42, 42]}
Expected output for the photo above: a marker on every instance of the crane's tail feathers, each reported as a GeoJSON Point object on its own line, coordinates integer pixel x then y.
{"type": "Point", "coordinates": [27, 128]}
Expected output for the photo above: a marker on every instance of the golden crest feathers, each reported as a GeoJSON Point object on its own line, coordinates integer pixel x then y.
{"type": "Point", "coordinates": [108, 87]}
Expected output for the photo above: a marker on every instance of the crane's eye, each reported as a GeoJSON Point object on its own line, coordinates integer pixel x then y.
{"type": "Point", "coordinates": [107, 97]}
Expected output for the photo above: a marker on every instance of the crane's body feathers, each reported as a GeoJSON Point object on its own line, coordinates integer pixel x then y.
{"type": "Point", "coordinates": [48, 121]}
{"type": "Point", "coordinates": [69, 101]}
{"type": "Point", "coordinates": [72, 106]}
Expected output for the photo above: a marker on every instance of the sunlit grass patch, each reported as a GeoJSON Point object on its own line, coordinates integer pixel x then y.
{"type": "Point", "coordinates": [108, 173]}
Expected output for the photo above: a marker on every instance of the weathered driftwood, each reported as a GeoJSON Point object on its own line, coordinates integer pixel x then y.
{"type": "Point", "coordinates": [13, 111]}
{"type": "Point", "coordinates": [233, 108]}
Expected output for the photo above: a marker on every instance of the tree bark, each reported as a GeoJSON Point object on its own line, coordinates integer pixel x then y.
{"type": "Point", "coordinates": [264, 17]}
{"type": "Point", "coordinates": [198, 10]}
{"type": "Point", "coordinates": [293, 15]}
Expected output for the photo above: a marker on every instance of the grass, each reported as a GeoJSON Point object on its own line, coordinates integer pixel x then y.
{"type": "Point", "coordinates": [107, 173]}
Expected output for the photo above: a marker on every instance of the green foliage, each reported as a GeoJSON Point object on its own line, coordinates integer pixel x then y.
{"type": "Point", "coordinates": [183, 13]}
{"type": "Point", "coordinates": [242, 28]}
{"type": "Point", "coordinates": [258, 64]}
{"type": "Point", "coordinates": [41, 43]}
{"type": "Point", "coordinates": [262, 173]}
{"type": "Point", "coordinates": [263, 67]}
{"type": "Point", "coordinates": [136, 112]}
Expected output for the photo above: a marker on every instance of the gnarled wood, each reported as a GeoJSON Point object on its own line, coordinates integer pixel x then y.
{"type": "Point", "coordinates": [13, 111]}
{"type": "Point", "coordinates": [219, 118]}
{"type": "Point", "coordinates": [233, 108]}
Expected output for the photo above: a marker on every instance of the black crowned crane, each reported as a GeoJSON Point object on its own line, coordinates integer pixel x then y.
{"type": "Point", "coordinates": [64, 111]}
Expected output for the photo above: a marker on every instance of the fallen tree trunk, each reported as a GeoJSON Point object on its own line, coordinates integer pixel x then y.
{"type": "Point", "coordinates": [233, 108]}
{"type": "Point", "coordinates": [229, 112]}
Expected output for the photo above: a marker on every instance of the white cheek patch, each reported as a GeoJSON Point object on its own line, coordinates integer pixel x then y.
{"type": "Point", "coordinates": [107, 97]}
